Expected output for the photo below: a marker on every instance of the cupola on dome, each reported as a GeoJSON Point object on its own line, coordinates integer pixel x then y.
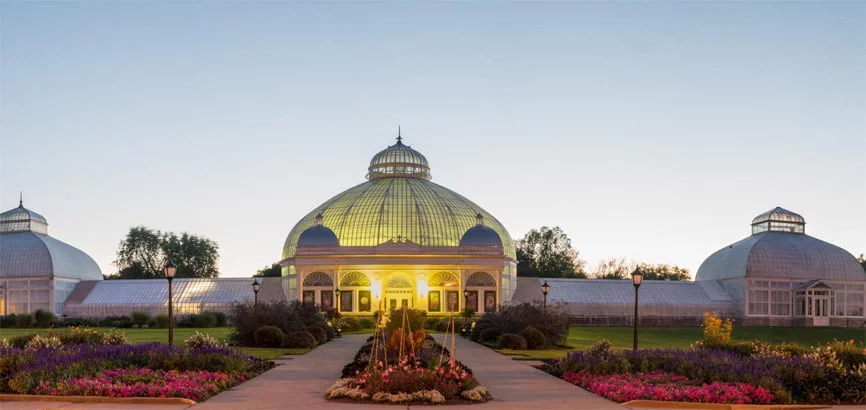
{"type": "Point", "coordinates": [399, 160]}
{"type": "Point", "coordinates": [778, 219]}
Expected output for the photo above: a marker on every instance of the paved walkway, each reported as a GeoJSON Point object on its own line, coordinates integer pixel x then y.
{"type": "Point", "coordinates": [300, 383]}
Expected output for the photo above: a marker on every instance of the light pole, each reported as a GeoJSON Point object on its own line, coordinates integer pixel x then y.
{"type": "Point", "coordinates": [170, 269]}
{"type": "Point", "coordinates": [544, 289]}
{"type": "Point", "coordinates": [636, 278]}
{"type": "Point", "coordinates": [256, 287]}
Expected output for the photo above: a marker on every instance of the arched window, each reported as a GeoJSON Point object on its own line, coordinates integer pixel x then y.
{"type": "Point", "coordinates": [442, 279]}
{"type": "Point", "coordinates": [318, 279]}
{"type": "Point", "coordinates": [480, 279]}
{"type": "Point", "coordinates": [355, 279]}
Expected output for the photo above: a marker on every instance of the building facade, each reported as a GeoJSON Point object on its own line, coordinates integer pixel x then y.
{"type": "Point", "coordinates": [398, 240]}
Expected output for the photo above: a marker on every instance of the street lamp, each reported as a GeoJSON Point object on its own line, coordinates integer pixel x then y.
{"type": "Point", "coordinates": [544, 289]}
{"type": "Point", "coordinates": [256, 287]}
{"type": "Point", "coordinates": [636, 278]}
{"type": "Point", "coordinates": [170, 269]}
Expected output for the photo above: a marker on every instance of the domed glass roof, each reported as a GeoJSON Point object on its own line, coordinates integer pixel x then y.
{"type": "Point", "coordinates": [398, 203]}
{"type": "Point", "coordinates": [398, 160]}
{"type": "Point", "coordinates": [318, 235]}
{"type": "Point", "coordinates": [480, 235]}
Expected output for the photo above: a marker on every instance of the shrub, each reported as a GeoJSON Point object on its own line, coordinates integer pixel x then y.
{"type": "Point", "coordinates": [479, 327]}
{"type": "Point", "coordinates": [222, 319]}
{"type": "Point", "coordinates": [21, 341]}
{"type": "Point", "coordinates": [269, 336]}
{"type": "Point", "coordinates": [512, 341]}
{"type": "Point", "coordinates": [319, 333]}
{"type": "Point", "coordinates": [44, 318]}
{"type": "Point", "coordinates": [116, 321]}
{"type": "Point", "coordinates": [76, 335]}
{"type": "Point", "coordinates": [349, 324]}
{"type": "Point", "coordinates": [534, 338]}
{"type": "Point", "coordinates": [490, 335]}
{"type": "Point", "coordinates": [289, 317]}
{"type": "Point", "coordinates": [161, 321]}
{"type": "Point", "coordinates": [8, 321]}
{"type": "Point", "coordinates": [365, 323]}
{"type": "Point", "coordinates": [552, 322]}
{"type": "Point", "coordinates": [44, 342]}
{"type": "Point", "coordinates": [442, 325]}
{"type": "Point", "coordinates": [415, 319]}
{"type": "Point", "coordinates": [114, 337]}
{"type": "Point", "coordinates": [199, 340]}
{"type": "Point", "coordinates": [140, 318]}
{"type": "Point", "coordinates": [300, 340]}
{"type": "Point", "coordinates": [201, 320]}
{"type": "Point", "coordinates": [24, 320]}
{"type": "Point", "coordinates": [717, 332]}
{"type": "Point", "coordinates": [431, 323]}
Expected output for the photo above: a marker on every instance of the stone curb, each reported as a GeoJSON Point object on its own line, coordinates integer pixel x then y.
{"type": "Point", "coordinates": [714, 406]}
{"type": "Point", "coordinates": [98, 399]}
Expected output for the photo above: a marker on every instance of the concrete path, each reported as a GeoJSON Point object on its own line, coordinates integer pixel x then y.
{"type": "Point", "coordinates": [300, 383]}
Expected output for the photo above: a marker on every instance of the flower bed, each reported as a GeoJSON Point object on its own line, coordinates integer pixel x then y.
{"type": "Point", "coordinates": [143, 382]}
{"type": "Point", "coordinates": [835, 373]}
{"type": "Point", "coordinates": [667, 387]}
{"type": "Point", "coordinates": [72, 368]}
{"type": "Point", "coordinates": [406, 367]}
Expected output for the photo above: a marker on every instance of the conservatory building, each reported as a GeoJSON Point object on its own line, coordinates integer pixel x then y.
{"type": "Point", "coordinates": [37, 271]}
{"type": "Point", "coordinates": [779, 275]}
{"type": "Point", "coordinates": [398, 239]}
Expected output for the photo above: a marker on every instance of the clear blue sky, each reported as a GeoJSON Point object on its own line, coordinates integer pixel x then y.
{"type": "Point", "coordinates": [654, 131]}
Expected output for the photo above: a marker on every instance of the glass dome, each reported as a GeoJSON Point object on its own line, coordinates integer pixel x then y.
{"type": "Point", "coordinates": [399, 203]}
{"type": "Point", "coordinates": [399, 160]}
{"type": "Point", "coordinates": [778, 220]}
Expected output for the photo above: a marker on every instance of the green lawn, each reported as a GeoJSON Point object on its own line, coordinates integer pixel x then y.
{"type": "Point", "coordinates": [682, 337]}
{"type": "Point", "coordinates": [137, 336]}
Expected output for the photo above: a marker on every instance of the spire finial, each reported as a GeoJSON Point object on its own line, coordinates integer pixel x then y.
{"type": "Point", "coordinates": [319, 218]}
{"type": "Point", "coordinates": [399, 136]}
{"type": "Point", "coordinates": [20, 199]}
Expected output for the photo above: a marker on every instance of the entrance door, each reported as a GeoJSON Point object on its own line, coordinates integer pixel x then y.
{"type": "Point", "coordinates": [820, 310]}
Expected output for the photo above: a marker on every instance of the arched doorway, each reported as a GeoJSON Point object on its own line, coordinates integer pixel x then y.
{"type": "Point", "coordinates": [399, 291]}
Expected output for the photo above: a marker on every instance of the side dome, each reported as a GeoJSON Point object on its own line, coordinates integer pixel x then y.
{"type": "Point", "coordinates": [782, 250]}
{"type": "Point", "coordinates": [318, 235]}
{"type": "Point", "coordinates": [28, 254]}
{"type": "Point", "coordinates": [480, 235]}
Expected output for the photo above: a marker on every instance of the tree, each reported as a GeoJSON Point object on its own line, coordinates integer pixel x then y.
{"type": "Point", "coordinates": [862, 261]}
{"type": "Point", "coordinates": [273, 271]}
{"type": "Point", "coordinates": [142, 254]}
{"type": "Point", "coordinates": [614, 268]}
{"type": "Point", "coordinates": [664, 272]}
{"type": "Point", "coordinates": [548, 252]}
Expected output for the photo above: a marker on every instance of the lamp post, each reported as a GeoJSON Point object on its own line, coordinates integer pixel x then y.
{"type": "Point", "coordinates": [544, 289]}
{"type": "Point", "coordinates": [170, 269]}
{"type": "Point", "coordinates": [636, 278]}
{"type": "Point", "coordinates": [256, 287]}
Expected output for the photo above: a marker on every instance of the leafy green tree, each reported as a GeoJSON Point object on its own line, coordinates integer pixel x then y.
{"type": "Point", "coordinates": [664, 272]}
{"type": "Point", "coordinates": [142, 255]}
{"type": "Point", "coordinates": [613, 268]}
{"type": "Point", "coordinates": [273, 271]}
{"type": "Point", "coordinates": [548, 252]}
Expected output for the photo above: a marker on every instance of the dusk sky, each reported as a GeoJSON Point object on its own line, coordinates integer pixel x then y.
{"type": "Point", "coordinates": [654, 131]}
